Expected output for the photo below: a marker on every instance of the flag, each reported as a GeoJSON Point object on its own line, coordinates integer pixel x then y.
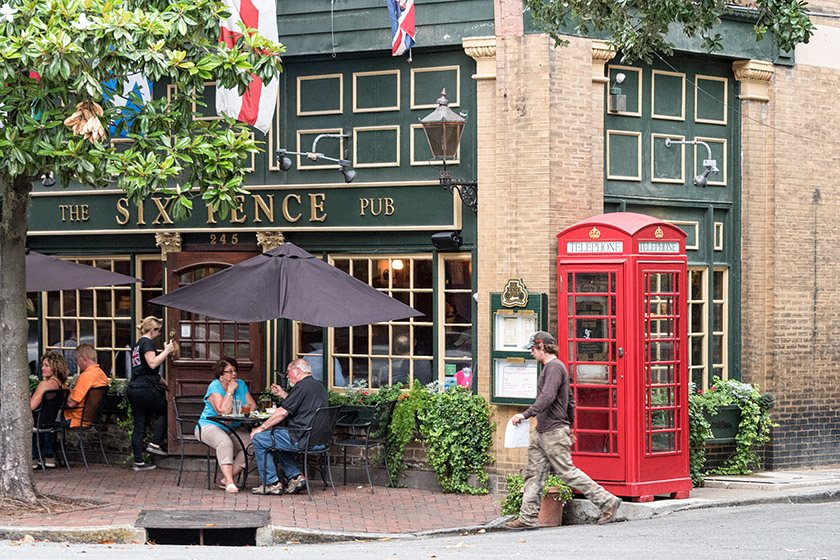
{"type": "Point", "coordinates": [256, 107]}
{"type": "Point", "coordinates": [120, 92]}
{"type": "Point", "coordinates": [402, 25]}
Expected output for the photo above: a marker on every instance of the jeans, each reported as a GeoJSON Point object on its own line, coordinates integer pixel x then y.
{"type": "Point", "coordinates": [287, 455]}
{"type": "Point", "coordinates": [46, 445]}
{"type": "Point", "coordinates": [146, 402]}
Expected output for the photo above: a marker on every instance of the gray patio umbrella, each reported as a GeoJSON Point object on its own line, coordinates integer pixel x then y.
{"type": "Point", "coordinates": [287, 283]}
{"type": "Point", "coordinates": [46, 274]}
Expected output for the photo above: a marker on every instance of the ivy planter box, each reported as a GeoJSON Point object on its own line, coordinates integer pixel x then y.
{"type": "Point", "coordinates": [725, 423]}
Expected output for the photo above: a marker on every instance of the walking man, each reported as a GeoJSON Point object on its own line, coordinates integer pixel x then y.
{"type": "Point", "coordinates": [554, 408]}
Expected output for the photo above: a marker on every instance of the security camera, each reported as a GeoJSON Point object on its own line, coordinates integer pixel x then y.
{"type": "Point", "coordinates": [447, 240]}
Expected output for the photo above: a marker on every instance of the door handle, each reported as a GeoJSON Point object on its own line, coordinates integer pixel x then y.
{"type": "Point", "coordinates": [620, 352]}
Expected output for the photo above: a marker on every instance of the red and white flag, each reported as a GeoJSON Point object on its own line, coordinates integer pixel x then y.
{"type": "Point", "coordinates": [256, 107]}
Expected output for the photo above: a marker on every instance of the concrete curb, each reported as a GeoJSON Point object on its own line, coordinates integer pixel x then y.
{"type": "Point", "coordinates": [122, 534]}
{"type": "Point", "coordinates": [286, 535]}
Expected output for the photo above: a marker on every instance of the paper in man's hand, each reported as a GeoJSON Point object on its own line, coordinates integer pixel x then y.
{"type": "Point", "coordinates": [519, 435]}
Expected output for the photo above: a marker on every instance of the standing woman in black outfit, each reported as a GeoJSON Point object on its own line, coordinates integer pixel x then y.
{"type": "Point", "coordinates": [147, 391]}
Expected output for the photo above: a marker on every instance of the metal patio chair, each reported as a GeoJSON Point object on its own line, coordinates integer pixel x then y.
{"type": "Point", "coordinates": [368, 429]}
{"type": "Point", "coordinates": [48, 419]}
{"type": "Point", "coordinates": [91, 420]}
{"type": "Point", "coordinates": [188, 410]}
{"type": "Point", "coordinates": [315, 439]}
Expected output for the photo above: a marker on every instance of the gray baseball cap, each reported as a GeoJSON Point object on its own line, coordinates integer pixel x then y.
{"type": "Point", "coordinates": [540, 336]}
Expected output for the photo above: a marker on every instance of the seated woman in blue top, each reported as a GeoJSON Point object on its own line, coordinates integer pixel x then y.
{"type": "Point", "coordinates": [219, 400]}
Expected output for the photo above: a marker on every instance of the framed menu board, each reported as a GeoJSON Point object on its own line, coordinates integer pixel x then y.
{"type": "Point", "coordinates": [513, 371]}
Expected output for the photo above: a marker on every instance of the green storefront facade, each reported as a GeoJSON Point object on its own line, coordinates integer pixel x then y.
{"type": "Point", "coordinates": [340, 79]}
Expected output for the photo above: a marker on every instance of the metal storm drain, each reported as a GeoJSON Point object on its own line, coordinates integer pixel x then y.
{"type": "Point", "coordinates": [212, 528]}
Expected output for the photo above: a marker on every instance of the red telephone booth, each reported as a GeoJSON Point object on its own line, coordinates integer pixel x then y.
{"type": "Point", "coordinates": [622, 331]}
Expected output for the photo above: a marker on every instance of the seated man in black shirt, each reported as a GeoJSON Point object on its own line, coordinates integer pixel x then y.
{"type": "Point", "coordinates": [297, 409]}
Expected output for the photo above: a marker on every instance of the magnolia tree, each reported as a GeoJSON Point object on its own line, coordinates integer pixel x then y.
{"type": "Point", "coordinates": [55, 115]}
{"type": "Point", "coordinates": [640, 28]}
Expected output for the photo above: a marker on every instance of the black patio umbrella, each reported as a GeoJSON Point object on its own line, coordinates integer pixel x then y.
{"type": "Point", "coordinates": [287, 283]}
{"type": "Point", "coordinates": [46, 274]}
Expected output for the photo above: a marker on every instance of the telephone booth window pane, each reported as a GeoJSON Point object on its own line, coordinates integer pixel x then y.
{"type": "Point", "coordinates": [662, 325]}
{"type": "Point", "coordinates": [662, 396]}
{"type": "Point", "coordinates": [662, 419]}
{"type": "Point", "coordinates": [592, 282]}
{"type": "Point", "coordinates": [593, 443]}
{"type": "Point", "coordinates": [592, 397]}
{"type": "Point", "coordinates": [662, 442]}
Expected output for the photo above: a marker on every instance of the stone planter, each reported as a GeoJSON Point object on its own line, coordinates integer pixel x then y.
{"type": "Point", "coordinates": [551, 509]}
{"type": "Point", "coordinates": [725, 424]}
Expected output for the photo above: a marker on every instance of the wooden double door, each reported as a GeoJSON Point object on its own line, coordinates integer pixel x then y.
{"type": "Point", "coordinates": [204, 340]}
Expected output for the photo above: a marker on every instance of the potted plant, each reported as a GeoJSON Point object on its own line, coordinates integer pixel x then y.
{"type": "Point", "coordinates": [556, 494]}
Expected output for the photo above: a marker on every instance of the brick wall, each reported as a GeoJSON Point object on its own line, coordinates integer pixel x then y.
{"type": "Point", "coordinates": [545, 153]}
{"type": "Point", "coordinates": [541, 169]}
{"type": "Point", "coordinates": [791, 331]}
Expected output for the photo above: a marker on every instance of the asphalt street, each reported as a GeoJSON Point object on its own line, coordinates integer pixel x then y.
{"type": "Point", "coordinates": [763, 531]}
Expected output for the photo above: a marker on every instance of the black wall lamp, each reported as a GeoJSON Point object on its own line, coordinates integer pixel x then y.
{"type": "Point", "coordinates": [443, 128]}
{"type": "Point", "coordinates": [701, 180]}
{"type": "Point", "coordinates": [285, 163]}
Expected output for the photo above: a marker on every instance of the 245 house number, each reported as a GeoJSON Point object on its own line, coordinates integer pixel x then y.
{"type": "Point", "coordinates": [222, 239]}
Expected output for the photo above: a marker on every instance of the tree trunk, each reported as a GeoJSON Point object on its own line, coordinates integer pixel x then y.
{"type": "Point", "coordinates": [15, 416]}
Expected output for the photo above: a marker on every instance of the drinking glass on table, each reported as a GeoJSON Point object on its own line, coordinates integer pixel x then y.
{"type": "Point", "coordinates": [246, 410]}
{"type": "Point", "coordinates": [237, 408]}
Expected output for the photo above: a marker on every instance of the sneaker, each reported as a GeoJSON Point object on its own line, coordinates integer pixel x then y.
{"type": "Point", "coordinates": [49, 462]}
{"type": "Point", "coordinates": [518, 525]}
{"type": "Point", "coordinates": [296, 484]}
{"type": "Point", "coordinates": [155, 449]}
{"type": "Point", "coordinates": [276, 489]}
{"type": "Point", "coordinates": [36, 464]}
{"type": "Point", "coordinates": [609, 514]}
{"type": "Point", "coordinates": [136, 467]}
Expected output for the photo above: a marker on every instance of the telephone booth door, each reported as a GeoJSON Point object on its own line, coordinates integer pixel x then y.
{"type": "Point", "coordinates": [663, 432]}
{"type": "Point", "coordinates": [592, 301]}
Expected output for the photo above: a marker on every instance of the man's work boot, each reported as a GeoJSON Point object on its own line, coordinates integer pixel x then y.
{"type": "Point", "coordinates": [518, 525]}
{"type": "Point", "coordinates": [609, 514]}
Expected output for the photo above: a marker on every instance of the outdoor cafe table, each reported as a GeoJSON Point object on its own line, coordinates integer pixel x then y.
{"type": "Point", "coordinates": [227, 421]}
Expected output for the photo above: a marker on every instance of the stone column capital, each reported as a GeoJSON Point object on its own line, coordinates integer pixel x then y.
{"type": "Point", "coordinates": [483, 51]}
{"type": "Point", "coordinates": [269, 240]}
{"type": "Point", "coordinates": [169, 242]}
{"type": "Point", "coordinates": [754, 76]}
{"type": "Point", "coordinates": [602, 52]}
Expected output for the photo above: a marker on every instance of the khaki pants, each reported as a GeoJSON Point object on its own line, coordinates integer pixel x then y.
{"type": "Point", "coordinates": [224, 443]}
{"type": "Point", "coordinates": [549, 452]}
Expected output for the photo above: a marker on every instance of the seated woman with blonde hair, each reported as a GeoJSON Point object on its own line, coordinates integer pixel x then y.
{"type": "Point", "coordinates": [219, 400]}
{"type": "Point", "coordinates": [54, 371]}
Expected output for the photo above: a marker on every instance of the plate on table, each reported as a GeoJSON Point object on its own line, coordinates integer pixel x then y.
{"type": "Point", "coordinates": [260, 415]}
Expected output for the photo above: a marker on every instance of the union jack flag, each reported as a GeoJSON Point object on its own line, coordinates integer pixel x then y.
{"type": "Point", "coordinates": [402, 25]}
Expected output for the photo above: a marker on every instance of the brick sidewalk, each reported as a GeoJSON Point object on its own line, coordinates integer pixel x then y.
{"type": "Point", "coordinates": [123, 494]}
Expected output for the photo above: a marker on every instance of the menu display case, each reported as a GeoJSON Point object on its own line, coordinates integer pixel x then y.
{"type": "Point", "coordinates": [513, 372]}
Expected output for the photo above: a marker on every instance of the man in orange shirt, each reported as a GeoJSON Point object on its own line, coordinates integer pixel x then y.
{"type": "Point", "coordinates": [91, 376]}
